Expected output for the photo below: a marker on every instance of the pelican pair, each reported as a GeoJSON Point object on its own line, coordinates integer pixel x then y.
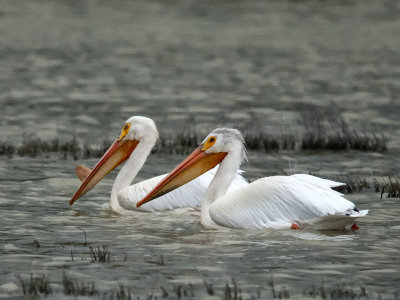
{"type": "Point", "coordinates": [134, 144]}
{"type": "Point", "coordinates": [296, 201]}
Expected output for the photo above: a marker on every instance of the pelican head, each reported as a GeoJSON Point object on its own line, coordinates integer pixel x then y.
{"type": "Point", "coordinates": [135, 130]}
{"type": "Point", "coordinates": [220, 144]}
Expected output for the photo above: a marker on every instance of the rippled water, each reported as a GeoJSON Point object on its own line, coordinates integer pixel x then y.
{"type": "Point", "coordinates": [82, 68]}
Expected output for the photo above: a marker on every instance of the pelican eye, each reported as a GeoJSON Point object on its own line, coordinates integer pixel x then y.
{"type": "Point", "coordinates": [124, 131]}
{"type": "Point", "coordinates": [209, 143]}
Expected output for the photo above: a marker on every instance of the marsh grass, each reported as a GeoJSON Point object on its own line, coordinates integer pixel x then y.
{"type": "Point", "coordinates": [78, 288]}
{"type": "Point", "coordinates": [340, 291]}
{"type": "Point", "coordinates": [356, 184]}
{"type": "Point", "coordinates": [38, 285]}
{"type": "Point", "coordinates": [321, 133]}
{"type": "Point", "coordinates": [209, 288]}
{"type": "Point", "coordinates": [95, 151]}
{"type": "Point", "coordinates": [324, 133]}
{"type": "Point", "coordinates": [182, 143]}
{"type": "Point", "coordinates": [7, 149]}
{"type": "Point", "coordinates": [34, 146]}
{"type": "Point", "coordinates": [392, 187]}
{"type": "Point", "coordinates": [100, 254]}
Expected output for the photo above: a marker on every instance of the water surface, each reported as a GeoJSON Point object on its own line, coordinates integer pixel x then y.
{"type": "Point", "coordinates": [81, 68]}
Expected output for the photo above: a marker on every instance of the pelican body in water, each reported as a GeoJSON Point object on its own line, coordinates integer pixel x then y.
{"type": "Point", "coordinates": [296, 201]}
{"type": "Point", "coordinates": [137, 138]}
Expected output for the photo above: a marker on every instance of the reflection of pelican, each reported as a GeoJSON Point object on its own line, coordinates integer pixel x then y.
{"type": "Point", "coordinates": [137, 138]}
{"type": "Point", "coordinates": [270, 202]}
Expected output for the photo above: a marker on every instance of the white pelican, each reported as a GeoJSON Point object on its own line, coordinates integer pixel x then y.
{"type": "Point", "coordinates": [295, 201]}
{"type": "Point", "coordinates": [137, 138]}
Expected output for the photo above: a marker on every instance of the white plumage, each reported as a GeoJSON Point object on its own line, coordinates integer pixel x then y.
{"type": "Point", "coordinates": [138, 136]}
{"type": "Point", "coordinates": [295, 201]}
{"type": "Point", "coordinates": [189, 195]}
{"type": "Point", "coordinates": [280, 201]}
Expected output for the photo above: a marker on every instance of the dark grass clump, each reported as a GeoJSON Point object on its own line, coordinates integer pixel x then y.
{"type": "Point", "coordinates": [334, 135]}
{"type": "Point", "coordinates": [100, 254]}
{"type": "Point", "coordinates": [259, 140]}
{"type": "Point", "coordinates": [353, 184]}
{"type": "Point", "coordinates": [39, 285]}
{"type": "Point", "coordinates": [34, 146]}
{"type": "Point", "coordinates": [36, 286]}
{"type": "Point", "coordinates": [88, 151]}
{"type": "Point", "coordinates": [209, 288]}
{"type": "Point", "coordinates": [392, 187]}
{"type": "Point", "coordinates": [78, 289]}
{"type": "Point", "coordinates": [356, 184]}
{"type": "Point", "coordinates": [337, 292]}
{"type": "Point", "coordinates": [183, 143]}
{"type": "Point", "coordinates": [6, 149]}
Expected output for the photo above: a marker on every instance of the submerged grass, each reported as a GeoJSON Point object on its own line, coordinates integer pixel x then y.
{"type": "Point", "coordinates": [38, 285]}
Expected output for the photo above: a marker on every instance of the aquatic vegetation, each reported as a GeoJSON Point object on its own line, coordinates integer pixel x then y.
{"type": "Point", "coordinates": [323, 133]}
{"type": "Point", "coordinates": [39, 285]}
{"type": "Point", "coordinates": [339, 291]}
{"type": "Point", "coordinates": [78, 289]}
{"type": "Point", "coordinates": [90, 151]}
{"type": "Point", "coordinates": [34, 146]}
{"type": "Point", "coordinates": [392, 187]}
{"type": "Point", "coordinates": [100, 254]}
{"type": "Point", "coordinates": [356, 184]}
{"type": "Point", "coordinates": [209, 288]}
{"type": "Point", "coordinates": [7, 149]}
{"type": "Point", "coordinates": [319, 134]}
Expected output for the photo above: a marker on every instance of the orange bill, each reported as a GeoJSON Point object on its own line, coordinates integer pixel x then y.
{"type": "Point", "coordinates": [118, 152]}
{"type": "Point", "coordinates": [190, 168]}
{"type": "Point", "coordinates": [82, 172]}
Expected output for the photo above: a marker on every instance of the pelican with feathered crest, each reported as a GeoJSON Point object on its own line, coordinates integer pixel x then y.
{"type": "Point", "coordinates": [296, 201]}
{"type": "Point", "coordinates": [134, 144]}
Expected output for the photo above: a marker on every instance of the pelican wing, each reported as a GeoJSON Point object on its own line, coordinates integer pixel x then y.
{"type": "Point", "coordinates": [188, 195]}
{"type": "Point", "coordinates": [280, 201]}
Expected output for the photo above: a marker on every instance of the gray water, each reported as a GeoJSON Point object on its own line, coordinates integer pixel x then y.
{"type": "Point", "coordinates": [83, 67]}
